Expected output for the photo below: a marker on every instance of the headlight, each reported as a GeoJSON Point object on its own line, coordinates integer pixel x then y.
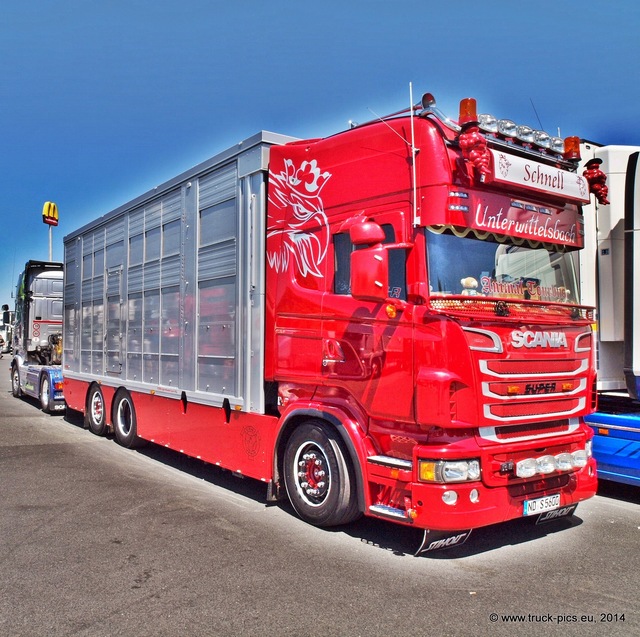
{"type": "Point", "coordinates": [529, 467]}
{"type": "Point", "coordinates": [545, 464]}
{"type": "Point", "coordinates": [564, 462]}
{"type": "Point", "coordinates": [526, 468]}
{"type": "Point", "coordinates": [557, 145]}
{"type": "Point", "coordinates": [542, 139]}
{"type": "Point", "coordinates": [448, 470]}
{"type": "Point", "coordinates": [579, 458]}
{"type": "Point", "coordinates": [507, 128]}
{"type": "Point", "coordinates": [488, 123]}
{"type": "Point", "coordinates": [525, 133]}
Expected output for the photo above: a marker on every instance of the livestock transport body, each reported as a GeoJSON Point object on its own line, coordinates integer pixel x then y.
{"type": "Point", "coordinates": [383, 322]}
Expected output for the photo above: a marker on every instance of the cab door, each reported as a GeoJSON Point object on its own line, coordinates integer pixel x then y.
{"type": "Point", "coordinates": [367, 345]}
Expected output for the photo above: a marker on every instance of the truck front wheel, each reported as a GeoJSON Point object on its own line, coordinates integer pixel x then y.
{"type": "Point", "coordinates": [15, 382]}
{"type": "Point", "coordinates": [125, 424]}
{"type": "Point", "coordinates": [45, 394]}
{"type": "Point", "coordinates": [318, 476]}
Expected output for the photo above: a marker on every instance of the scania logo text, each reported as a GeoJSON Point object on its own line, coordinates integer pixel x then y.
{"type": "Point", "coordinates": [538, 339]}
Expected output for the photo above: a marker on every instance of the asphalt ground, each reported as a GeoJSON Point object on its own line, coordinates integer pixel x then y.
{"type": "Point", "coordinates": [99, 540]}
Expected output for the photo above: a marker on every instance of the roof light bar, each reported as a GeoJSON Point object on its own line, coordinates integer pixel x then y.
{"type": "Point", "coordinates": [527, 135]}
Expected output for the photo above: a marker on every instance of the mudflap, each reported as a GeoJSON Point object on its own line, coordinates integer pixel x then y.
{"type": "Point", "coordinates": [556, 514]}
{"type": "Point", "coordinates": [439, 540]}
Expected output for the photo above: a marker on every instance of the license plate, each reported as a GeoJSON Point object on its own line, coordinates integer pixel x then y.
{"type": "Point", "coordinates": [540, 505]}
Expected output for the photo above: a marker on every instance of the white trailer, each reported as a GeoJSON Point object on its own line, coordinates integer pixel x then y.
{"type": "Point", "coordinates": [609, 272]}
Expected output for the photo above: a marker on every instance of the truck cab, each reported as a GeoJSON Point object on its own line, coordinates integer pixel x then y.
{"type": "Point", "coordinates": [37, 335]}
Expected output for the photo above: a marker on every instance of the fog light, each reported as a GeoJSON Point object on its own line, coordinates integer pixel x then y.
{"type": "Point", "coordinates": [546, 464]}
{"type": "Point", "coordinates": [526, 468]}
{"type": "Point", "coordinates": [450, 497]}
{"type": "Point", "coordinates": [474, 495]}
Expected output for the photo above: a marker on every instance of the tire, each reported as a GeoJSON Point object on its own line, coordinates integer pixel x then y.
{"type": "Point", "coordinates": [318, 476]}
{"type": "Point", "coordinates": [125, 424]}
{"type": "Point", "coordinates": [94, 417]}
{"type": "Point", "coordinates": [15, 382]}
{"type": "Point", "coordinates": [45, 393]}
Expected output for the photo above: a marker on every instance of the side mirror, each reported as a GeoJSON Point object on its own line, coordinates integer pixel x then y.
{"type": "Point", "coordinates": [370, 274]}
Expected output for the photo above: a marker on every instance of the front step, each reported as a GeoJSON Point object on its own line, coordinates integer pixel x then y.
{"type": "Point", "coordinates": [389, 461]}
{"type": "Point", "coordinates": [386, 511]}
{"type": "Point", "coordinates": [393, 474]}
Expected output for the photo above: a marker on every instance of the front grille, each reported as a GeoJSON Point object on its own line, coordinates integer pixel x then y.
{"type": "Point", "coordinates": [534, 408]}
{"type": "Point", "coordinates": [543, 383]}
{"type": "Point", "coordinates": [538, 486]}
{"type": "Point", "coordinates": [517, 368]}
{"type": "Point", "coordinates": [532, 430]}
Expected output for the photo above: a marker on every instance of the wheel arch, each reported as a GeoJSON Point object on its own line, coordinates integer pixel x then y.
{"type": "Point", "coordinates": [343, 425]}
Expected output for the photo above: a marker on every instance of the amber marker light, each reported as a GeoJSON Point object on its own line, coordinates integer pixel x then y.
{"type": "Point", "coordinates": [513, 390]}
{"type": "Point", "coordinates": [427, 471]}
{"type": "Point", "coordinates": [572, 148]}
{"type": "Point", "coordinates": [392, 311]}
{"type": "Point", "coordinates": [468, 111]}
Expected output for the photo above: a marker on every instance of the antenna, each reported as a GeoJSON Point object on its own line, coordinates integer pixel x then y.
{"type": "Point", "coordinates": [416, 219]}
{"type": "Point", "coordinates": [395, 132]}
{"type": "Point", "coordinates": [536, 112]}
{"type": "Point", "coordinates": [414, 151]}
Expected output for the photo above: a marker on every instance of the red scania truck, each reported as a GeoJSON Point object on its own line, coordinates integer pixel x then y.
{"type": "Point", "coordinates": [382, 322]}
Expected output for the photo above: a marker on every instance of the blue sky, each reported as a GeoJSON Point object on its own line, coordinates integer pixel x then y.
{"type": "Point", "coordinates": [102, 100]}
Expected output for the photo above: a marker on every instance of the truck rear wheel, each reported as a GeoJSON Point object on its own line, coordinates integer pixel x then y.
{"type": "Point", "coordinates": [319, 477]}
{"type": "Point", "coordinates": [94, 414]}
{"type": "Point", "coordinates": [15, 382]}
{"type": "Point", "coordinates": [45, 393]}
{"type": "Point", "coordinates": [125, 424]}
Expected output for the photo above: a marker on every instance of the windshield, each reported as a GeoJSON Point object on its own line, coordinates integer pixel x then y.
{"type": "Point", "coordinates": [470, 266]}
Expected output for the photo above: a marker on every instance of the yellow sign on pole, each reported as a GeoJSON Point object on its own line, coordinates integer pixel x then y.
{"type": "Point", "coordinates": [50, 213]}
